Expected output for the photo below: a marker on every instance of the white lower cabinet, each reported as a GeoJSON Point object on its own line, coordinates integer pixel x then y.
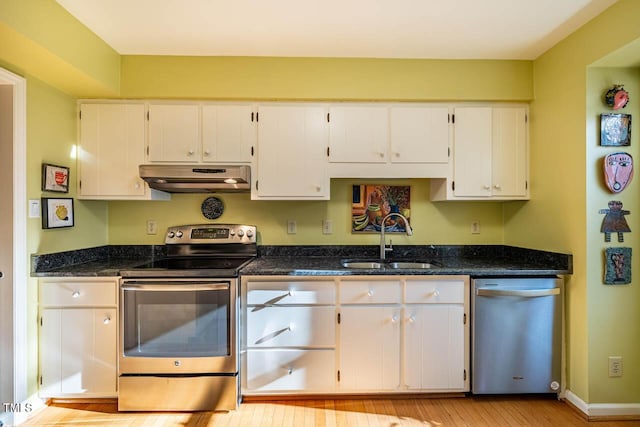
{"type": "Point", "coordinates": [288, 342]}
{"type": "Point", "coordinates": [361, 334]}
{"type": "Point", "coordinates": [369, 348]}
{"type": "Point", "coordinates": [78, 338]}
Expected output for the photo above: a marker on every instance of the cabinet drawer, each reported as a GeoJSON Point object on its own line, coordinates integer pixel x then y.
{"type": "Point", "coordinates": [370, 292]}
{"type": "Point", "coordinates": [291, 327]}
{"type": "Point", "coordinates": [435, 291]}
{"type": "Point", "coordinates": [296, 292]}
{"type": "Point", "coordinates": [78, 294]}
{"type": "Point", "coordinates": [291, 370]}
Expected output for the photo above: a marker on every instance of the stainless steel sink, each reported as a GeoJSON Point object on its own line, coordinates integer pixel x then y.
{"type": "Point", "coordinates": [410, 265]}
{"type": "Point", "coordinates": [362, 264]}
{"type": "Point", "coordinates": [393, 265]}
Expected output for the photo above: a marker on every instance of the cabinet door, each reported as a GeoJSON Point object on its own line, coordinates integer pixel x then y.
{"type": "Point", "coordinates": [509, 151]}
{"type": "Point", "coordinates": [358, 134]}
{"type": "Point", "coordinates": [472, 152]}
{"type": "Point", "coordinates": [369, 348]}
{"type": "Point", "coordinates": [419, 134]}
{"type": "Point", "coordinates": [292, 160]}
{"type": "Point", "coordinates": [434, 347]}
{"type": "Point", "coordinates": [228, 133]}
{"type": "Point", "coordinates": [112, 138]}
{"type": "Point", "coordinates": [78, 352]}
{"type": "Point", "coordinates": [174, 133]}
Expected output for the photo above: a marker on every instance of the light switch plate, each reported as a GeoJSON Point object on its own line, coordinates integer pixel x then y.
{"type": "Point", "coordinates": [34, 208]}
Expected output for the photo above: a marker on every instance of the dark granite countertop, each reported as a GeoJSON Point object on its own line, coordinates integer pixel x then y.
{"type": "Point", "coordinates": [473, 260]}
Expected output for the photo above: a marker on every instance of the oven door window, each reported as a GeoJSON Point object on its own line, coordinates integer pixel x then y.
{"type": "Point", "coordinates": [176, 323]}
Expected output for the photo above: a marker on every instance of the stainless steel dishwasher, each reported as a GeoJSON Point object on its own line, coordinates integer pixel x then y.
{"type": "Point", "coordinates": [516, 335]}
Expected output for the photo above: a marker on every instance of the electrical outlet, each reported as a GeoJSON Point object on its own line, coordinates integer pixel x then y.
{"type": "Point", "coordinates": [291, 227]}
{"type": "Point", "coordinates": [615, 366]}
{"type": "Point", "coordinates": [475, 227]}
{"type": "Point", "coordinates": [327, 226]}
{"type": "Point", "coordinates": [152, 227]}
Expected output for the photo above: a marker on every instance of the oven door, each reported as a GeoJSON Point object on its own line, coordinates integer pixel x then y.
{"type": "Point", "coordinates": [178, 326]}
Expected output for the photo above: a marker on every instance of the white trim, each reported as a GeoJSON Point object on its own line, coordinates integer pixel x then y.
{"type": "Point", "coordinates": [603, 409]}
{"type": "Point", "coordinates": [20, 255]}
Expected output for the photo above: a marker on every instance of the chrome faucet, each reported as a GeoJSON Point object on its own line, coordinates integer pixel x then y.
{"type": "Point", "coordinates": [383, 246]}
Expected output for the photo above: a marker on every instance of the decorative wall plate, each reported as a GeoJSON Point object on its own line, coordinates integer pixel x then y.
{"type": "Point", "coordinates": [617, 266]}
{"type": "Point", "coordinates": [618, 171]}
{"type": "Point", "coordinates": [212, 208]}
{"type": "Point", "coordinates": [616, 97]}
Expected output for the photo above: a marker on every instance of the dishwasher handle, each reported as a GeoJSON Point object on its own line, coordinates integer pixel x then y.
{"type": "Point", "coordinates": [525, 293]}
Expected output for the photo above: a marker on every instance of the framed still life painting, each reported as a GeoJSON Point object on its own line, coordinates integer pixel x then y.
{"type": "Point", "coordinates": [371, 203]}
{"type": "Point", "coordinates": [57, 213]}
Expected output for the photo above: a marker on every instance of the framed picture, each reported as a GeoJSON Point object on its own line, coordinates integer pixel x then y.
{"type": "Point", "coordinates": [57, 213]}
{"type": "Point", "coordinates": [617, 267]}
{"type": "Point", "coordinates": [371, 203]}
{"type": "Point", "coordinates": [615, 129]}
{"type": "Point", "coordinates": [55, 178]}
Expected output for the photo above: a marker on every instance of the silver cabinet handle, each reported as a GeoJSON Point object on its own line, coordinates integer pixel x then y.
{"type": "Point", "coordinates": [75, 294]}
{"type": "Point", "coordinates": [107, 320]}
{"type": "Point", "coordinates": [527, 293]}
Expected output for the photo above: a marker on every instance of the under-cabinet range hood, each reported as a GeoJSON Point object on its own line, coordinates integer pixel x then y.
{"type": "Point", "coordinates": [197, 178]}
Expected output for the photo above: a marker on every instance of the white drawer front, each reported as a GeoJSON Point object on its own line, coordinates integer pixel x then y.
{"type": "Point", "coordinates": [270, 293]}
{"type": "Point", "coordinates": [291, 327]}
{"type": "Point", "coordinates": [78, 294]}
{"type": "Point", "coordinates": [434, 291]}
{"type": "Point", "coordinates": [291, 370]}
{"type": "Point", "coordinates": [370, 292]}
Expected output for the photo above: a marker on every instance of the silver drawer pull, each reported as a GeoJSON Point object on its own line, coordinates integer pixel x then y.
{"type": "Point", "coordinates": [289, 371]}
{"type": "Point", "coordinates": [75, 294]}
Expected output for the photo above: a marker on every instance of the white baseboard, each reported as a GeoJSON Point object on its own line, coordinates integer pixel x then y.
{"type": "Point", "coordinates": [603, 409]}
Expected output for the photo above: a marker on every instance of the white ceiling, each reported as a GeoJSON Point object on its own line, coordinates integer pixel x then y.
{"type": "Point", "coordinates": [445, 29]}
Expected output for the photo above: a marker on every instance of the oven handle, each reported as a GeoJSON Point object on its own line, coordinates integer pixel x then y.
{"type": "Point", "coordinates": [175, 286]}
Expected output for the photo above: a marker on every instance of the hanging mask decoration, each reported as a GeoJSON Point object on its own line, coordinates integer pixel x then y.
{"type": "Point", "coordinates": [616, 97]}
{"type": "Point", "coordinates": [618, 171]}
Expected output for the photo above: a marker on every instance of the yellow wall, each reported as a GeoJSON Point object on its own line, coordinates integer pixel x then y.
{"type": "Point", "coordinates": [433, 223]}
{"type": "Point", "coordinates": [565, 173]}
{"type": "Point", "coordinates": [41, 39]}
{"type": "Point", "coordinates": [324, 78]}
{"type": "Point", "coordinates": [614, 311]}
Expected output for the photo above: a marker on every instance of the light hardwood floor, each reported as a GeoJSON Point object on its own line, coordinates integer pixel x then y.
{"type": "Point", "coordinates": [463, 411]}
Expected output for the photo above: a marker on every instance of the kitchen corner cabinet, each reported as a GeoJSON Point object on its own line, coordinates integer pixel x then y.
{"type": "Point", "coordinates": [292, 153]}
{"type": "Point", "coordinates": [389, 140]}
{"type": "Point", "coordinates": [490, 160]}
{"type": "Point", "coordinates": [110, 148]}
{"type": "Point", "coordinates": [346, 335]}
{"type": "Point", "coordinates": [78, 337]}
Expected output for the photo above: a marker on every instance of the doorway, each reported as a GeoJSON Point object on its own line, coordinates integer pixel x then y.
{"type": "Point", "coordinates": [13, 246]}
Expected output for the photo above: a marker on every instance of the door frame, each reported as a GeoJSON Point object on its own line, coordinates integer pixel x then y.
{"type": "Point", "coordinates": [16, 332]}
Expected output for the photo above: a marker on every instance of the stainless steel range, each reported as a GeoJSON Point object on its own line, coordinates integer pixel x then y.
{"type": "Point", "coordinates": [178, 345]}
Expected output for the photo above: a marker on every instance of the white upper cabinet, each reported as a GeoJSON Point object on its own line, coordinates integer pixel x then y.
{"type": "Point", "coordinates": [490, 160]}
{"type": "Point", "coordinates": [292, 158]}
{"type": "Point", "coordinates": [174, 133]}
{"type": "Point", "coordinates": [111, 146]}
{"type": "Point", "coordinates": [359, 134]}
{"type": "Point", "coordinates": [419, 134]}
{"type": "Point", "coordinates": [400, 140]}
{"type": "Point", "coordinates": [196, 132]}
{"type": "Point", "coordinates": [228, 133]}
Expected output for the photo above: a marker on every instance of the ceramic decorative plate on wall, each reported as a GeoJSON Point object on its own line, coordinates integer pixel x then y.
{"type": "Point", "coordinates": [212, 208]}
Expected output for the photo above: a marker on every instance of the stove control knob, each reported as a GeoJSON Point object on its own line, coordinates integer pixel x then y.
{"type": "Point", "coordinates": [249, 233]}
{"type": "Point", "coordinates": [232, 232]}
{"type": "Point", "coordinates": [171, 235]}
{"type": "Point", "coordinates": [178, 233]}
{"type": "Point", "coordinates": [240, 233]}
